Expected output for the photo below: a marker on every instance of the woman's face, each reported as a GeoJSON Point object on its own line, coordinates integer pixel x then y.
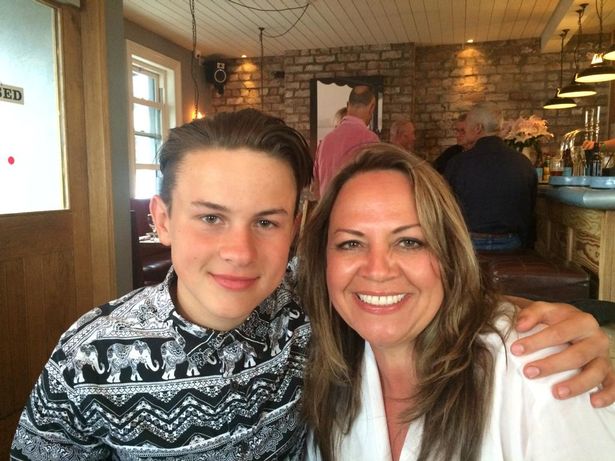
{"type": "Point", "coordinates": [382, 279]}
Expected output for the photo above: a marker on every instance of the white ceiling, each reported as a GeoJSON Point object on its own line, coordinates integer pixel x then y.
{"type": "Point", "coordinates": [225, 28]}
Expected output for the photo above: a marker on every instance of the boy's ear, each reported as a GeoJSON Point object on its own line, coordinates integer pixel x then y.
{"type": "Point", "coordinates": [160, 215]}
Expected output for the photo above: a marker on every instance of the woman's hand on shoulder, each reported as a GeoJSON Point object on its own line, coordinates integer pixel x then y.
{"type": "Point", "coordinates": [588, 349]}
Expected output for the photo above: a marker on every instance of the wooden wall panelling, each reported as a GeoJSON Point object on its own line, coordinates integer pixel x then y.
{"type": "Point", "coordinates": [100, 182]}
{"type": "Point", "coordinates": [14, 351]}
{"type": "Point", "coordinates": [607, 257]}
{"type": "Point", "coordinates": [581, 235]}
{"type": "Point", "coordinates": [72, 76]}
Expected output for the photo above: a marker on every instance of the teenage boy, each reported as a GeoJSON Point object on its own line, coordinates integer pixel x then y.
{"type": "Point", "coordinates": [209, 364]}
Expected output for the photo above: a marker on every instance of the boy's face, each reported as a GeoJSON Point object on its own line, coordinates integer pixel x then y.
{"type": "Point", "coordinates": [230, 230]}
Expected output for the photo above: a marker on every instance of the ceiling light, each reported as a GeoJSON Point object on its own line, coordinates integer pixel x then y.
{"type": "Point", "coordinates": [244, 56]}
{"type": "Point", "coordinates": [575, 89]}
{"type": "Point", "coordinates": [610, 54]}
{"type": "Point", "coordinates": [557, 102]}
{"type": "Point", "coordinates": [598, 71]}
{"type": "Point", "coordinates": [470, 40]}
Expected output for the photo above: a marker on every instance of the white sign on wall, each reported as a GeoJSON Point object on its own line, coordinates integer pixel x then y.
{"type": "Point", "coordinates": [12, 94]}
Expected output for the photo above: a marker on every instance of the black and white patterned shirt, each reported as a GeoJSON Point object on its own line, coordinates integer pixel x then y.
{"type": "Point", "coordinates": [133, 380]}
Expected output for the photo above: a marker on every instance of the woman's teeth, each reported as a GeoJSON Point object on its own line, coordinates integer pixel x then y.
{"type": "Point", "coordinates": [381, 300]}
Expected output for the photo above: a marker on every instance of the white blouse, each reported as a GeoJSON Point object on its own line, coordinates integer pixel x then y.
{"type": "Point", "coordinates": [526, 422]}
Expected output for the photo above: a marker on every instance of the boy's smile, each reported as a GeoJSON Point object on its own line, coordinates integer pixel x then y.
{"type": "Point", "coordinates": [230, 228]}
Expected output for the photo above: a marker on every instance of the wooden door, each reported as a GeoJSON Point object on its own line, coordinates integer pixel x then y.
{"type": "Point", "coordinates": [46, 265]}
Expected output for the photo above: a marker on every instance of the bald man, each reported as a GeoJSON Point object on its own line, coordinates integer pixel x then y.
{"type": "Point", "coordinates": [338, 147]}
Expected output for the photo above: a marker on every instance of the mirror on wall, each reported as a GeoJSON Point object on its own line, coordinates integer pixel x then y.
{"type": "Point", "coordinates": [328, 95]}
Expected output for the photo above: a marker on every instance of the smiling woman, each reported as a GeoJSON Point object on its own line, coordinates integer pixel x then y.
{"type": "Point", "coordinates": [409, 356]}
{"type": "Point", "coordinates": [382, 278]}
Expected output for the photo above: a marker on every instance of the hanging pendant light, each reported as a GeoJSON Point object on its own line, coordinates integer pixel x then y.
{"type": "Point", "coordinates": [560, 102]}
{"type": "Point", "coordinates": [575, 89]}
{"type": "Point", "coordinates": [598, 71]}
{"type": "Point", "coordinates": [610, 54]}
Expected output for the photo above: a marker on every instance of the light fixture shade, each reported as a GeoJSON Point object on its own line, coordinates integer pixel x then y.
{"type": "Point", "coordinates": [610, 54]}
{"type": "Point", "coordinates": [576, 90]}
{"type": "Point", "coordinates": [597, 72]}
{"type": "Point", "coordinates": [559, 103]}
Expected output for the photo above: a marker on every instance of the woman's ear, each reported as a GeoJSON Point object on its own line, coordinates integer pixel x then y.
{"type": "Point", "coordinates": [161, 216]}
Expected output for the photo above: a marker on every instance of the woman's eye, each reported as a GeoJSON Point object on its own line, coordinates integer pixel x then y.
{"type": "Point", "coordinates": [348, 245]}
{"type": "Point", "coordinates": [210, 219]}
{"type": "Point", "coordinates": [410, 243]}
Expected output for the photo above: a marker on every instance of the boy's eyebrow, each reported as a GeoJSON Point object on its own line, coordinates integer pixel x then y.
{"type": "Point", "coordinates": [222, 208]}
{"type": "Point", "coordinates": [211, 205]}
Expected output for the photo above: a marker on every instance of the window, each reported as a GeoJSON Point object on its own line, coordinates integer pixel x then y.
{"type": "Point", "coordinates": [153, 111]}
{"type": "Point", "coordinates": [32, 157]}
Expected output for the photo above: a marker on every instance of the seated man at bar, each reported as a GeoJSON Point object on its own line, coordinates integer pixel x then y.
{"type": "Point", "coordinates": [462, 145]}
{"type": "Point", "coordinates": [494, 184]}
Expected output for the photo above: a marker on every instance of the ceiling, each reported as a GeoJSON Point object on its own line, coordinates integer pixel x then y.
{"type": "Point", "coordinates": [228, 28]}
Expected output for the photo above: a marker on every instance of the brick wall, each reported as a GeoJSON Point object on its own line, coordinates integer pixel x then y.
{"type": "Point", "coordinates": [513, 74]}
{"type": "Point", "coordinates": [432, 85]}
{"type": "Point", "coordinates": [395, 62]}
{"type": "Point", "coordinates": [242, 89]}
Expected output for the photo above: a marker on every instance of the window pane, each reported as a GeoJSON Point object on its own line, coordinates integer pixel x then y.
{"type": "Point", "coordinates": [31, 166]}
{"type": "Point", "coordinates": [147, 183]}
{"type": "Point", "coordinates": [146, 149]}
{"type": "Point", "coordinates": [146, 119]}
{"type": "Point", "coordinates": [144, 85]}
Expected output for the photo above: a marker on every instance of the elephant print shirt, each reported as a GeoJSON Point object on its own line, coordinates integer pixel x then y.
{"type": "Point", "coordinates": [133, 380]}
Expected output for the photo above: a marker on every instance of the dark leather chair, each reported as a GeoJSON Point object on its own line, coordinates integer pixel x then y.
{"type": "Point", "coordinates": [527, 274]}
{"type": "Point", "coordinates": [150, 261]}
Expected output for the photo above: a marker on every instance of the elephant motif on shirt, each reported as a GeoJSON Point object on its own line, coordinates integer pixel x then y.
{"type": "Point", "coordinates": [278, 330]}
{"type": "Point", "coordinates": [173, 354]}
{"type": "Point", "coordinates": [86, 354]}
{"type": "Point", "coordinates": [231, 354]}
{"type": "Point", "coordinates": [121, 356]}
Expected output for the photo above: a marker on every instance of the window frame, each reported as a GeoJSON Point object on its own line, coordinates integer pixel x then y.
{"type": "Point", "coordinates": [168, 71]}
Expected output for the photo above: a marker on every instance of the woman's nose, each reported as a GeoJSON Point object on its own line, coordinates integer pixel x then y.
{"type": "Point", "coordinates": [378, 264]}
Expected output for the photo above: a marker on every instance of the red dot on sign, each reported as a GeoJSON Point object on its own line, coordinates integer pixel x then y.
{"type": "Point", "coordinates": [11, 160]}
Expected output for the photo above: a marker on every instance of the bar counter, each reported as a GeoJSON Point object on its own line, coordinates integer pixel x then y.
{"type": "Point", "coordinates": [583, 197]}
{"type": "Point", "coordinates": [577, 225]}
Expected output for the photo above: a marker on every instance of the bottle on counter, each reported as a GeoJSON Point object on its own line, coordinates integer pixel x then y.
{"type": "Point", "coordinates": [596, 163]}
{"type": "Point", "coordinates": [567, 159]}
{"type": "Point", "coordinates": [556, 165]}
{"type": "Point", "coordinates": [538, 166]}
{"type": "Point", "coordinates": [589, 156]}
{"type": "Point", "coordinates": [545, 168]}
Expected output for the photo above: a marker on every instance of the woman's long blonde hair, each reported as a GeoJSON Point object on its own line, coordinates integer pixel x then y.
{"type": "Point", "coordinates": [453, 366]}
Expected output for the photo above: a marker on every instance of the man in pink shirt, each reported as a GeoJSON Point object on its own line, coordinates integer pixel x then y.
{"type": "Point", "coordinates": [338, 147]}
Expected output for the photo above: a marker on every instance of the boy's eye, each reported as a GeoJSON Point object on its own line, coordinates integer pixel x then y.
{"type": "Point", "coordinates": [210, 219]}
{"type": "Point", "coordinates": [265, 223]}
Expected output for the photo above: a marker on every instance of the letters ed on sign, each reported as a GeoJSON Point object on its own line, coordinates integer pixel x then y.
{"type": "Point", "coordinates": [12, 94]}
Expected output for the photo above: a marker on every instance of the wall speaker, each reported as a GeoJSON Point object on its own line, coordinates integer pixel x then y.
{"type": "Point", "coordinates": [215, 72]}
